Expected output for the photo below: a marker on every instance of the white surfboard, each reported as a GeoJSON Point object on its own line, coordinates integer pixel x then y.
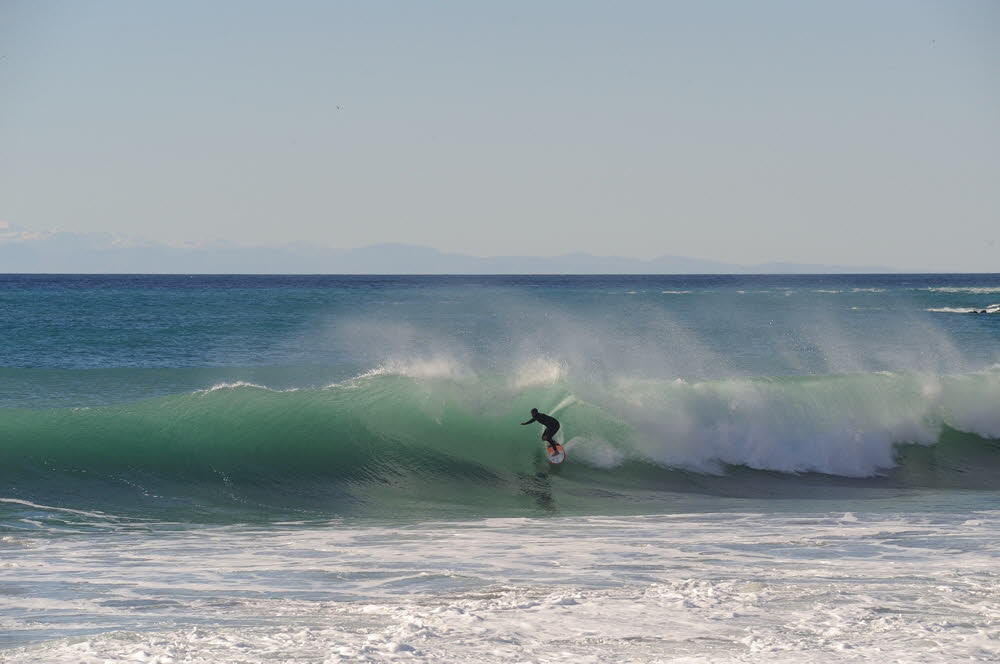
{"type": "Point", "coordinates": [558, 457]}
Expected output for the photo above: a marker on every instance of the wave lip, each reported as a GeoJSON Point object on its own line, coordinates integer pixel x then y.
{"type": "Point", "coordinates": [434, 367]}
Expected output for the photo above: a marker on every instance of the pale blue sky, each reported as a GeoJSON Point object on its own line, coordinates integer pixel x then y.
{"type": "Point", "coordinates": [837, 132]}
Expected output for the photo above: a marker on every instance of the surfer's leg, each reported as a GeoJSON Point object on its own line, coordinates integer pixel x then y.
{"type": "Point", "coordinates": [547, 437]}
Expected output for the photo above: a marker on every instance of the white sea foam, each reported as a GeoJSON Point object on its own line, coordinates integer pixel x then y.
{"type": "Point", "coordinates": [47, 508]}
{"type": "Point", "coordinates": [847, 425]}
{"type": "Point", "coordinates": [232, 386]}
{"type": "Point", "coordinates": [990, 309]}
{"type": "Point", "coordinates": [729, 587]}
{"type": "Point", "coordinates": [950, 310]}
{"type": "Point", "coordinates": [241, 384]}
{"type": "Point", "coordinates": [978, 290]}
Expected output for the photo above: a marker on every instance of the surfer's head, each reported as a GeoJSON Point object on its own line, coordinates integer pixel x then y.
{"type": "Point", "coordinates": [534, 411]}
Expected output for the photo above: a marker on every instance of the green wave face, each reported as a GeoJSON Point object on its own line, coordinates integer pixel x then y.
{"type": "Point", "coordinates": [253, 448]}
{"type": "Point", "coordinates": [388, 443]}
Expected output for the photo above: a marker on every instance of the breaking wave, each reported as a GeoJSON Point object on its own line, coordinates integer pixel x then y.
{"type": "Point", "coordinates": [431, 431]}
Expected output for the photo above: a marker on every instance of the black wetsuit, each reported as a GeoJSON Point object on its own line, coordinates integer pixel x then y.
{"type": "Point", "coordinates": [550, 423]}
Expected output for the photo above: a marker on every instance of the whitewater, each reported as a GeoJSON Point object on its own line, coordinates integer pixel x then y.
{"type": "Point", "coordinates": [331, 469]}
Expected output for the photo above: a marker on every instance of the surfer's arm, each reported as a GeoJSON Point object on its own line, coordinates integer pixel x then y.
{"type": "Point", "coordinates": [528, 422]}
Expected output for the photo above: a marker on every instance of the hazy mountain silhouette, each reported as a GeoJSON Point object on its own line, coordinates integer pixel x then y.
{"type": "Point", "coordinates": [22, 250]}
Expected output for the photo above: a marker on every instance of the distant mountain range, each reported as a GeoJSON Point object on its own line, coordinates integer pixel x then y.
{"type": "Point", "coordinates": [23, 250]}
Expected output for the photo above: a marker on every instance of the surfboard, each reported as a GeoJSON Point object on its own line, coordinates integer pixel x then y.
{"type": "Point", "coordinates": [558, 457]}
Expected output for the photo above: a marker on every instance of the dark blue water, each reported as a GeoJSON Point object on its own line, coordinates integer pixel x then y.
{"type": "Point", "coordinates": [289, 329]}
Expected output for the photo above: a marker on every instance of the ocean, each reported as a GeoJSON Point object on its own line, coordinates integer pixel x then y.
{"type": "Point", "coordinates": [332, 468]}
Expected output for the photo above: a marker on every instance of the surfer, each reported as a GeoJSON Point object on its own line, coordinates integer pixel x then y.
{"type": "Point", "coordinates": [551, 425]}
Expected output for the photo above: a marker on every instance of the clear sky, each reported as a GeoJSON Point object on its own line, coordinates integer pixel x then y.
{"type": "Point", "coordinates": [849, 132]}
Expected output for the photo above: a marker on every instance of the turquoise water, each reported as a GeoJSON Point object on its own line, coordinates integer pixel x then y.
{"type": "Point", "coordinates": [254, 398]}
